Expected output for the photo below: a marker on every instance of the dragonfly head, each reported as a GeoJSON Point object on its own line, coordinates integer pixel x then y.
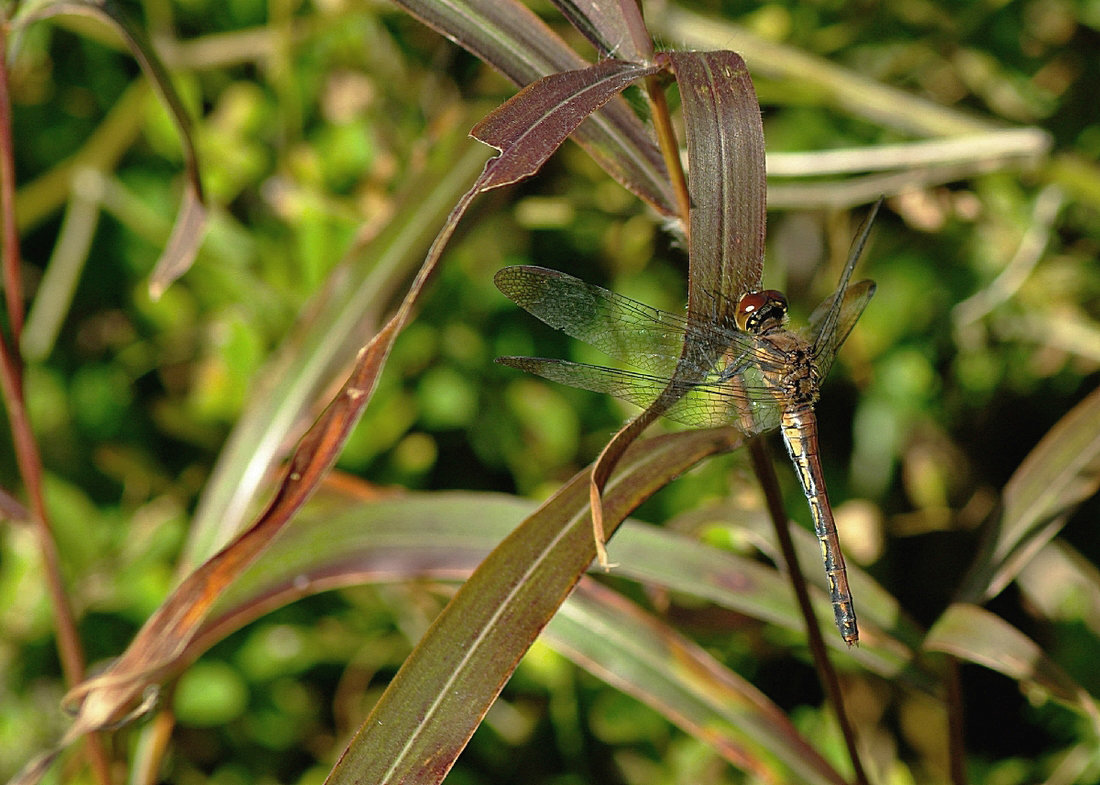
{"type": "Point", "coordinates": [761, 312]}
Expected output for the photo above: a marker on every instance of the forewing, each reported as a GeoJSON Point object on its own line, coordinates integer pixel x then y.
{"type": "Point", "coordinates": [850, 308]}
{"type": "Point", "coordinates": [753, 409]}
{"type": "Point", "coordinates": [833, 320]}
{"type": "Point", "coordinates": [632, 332]}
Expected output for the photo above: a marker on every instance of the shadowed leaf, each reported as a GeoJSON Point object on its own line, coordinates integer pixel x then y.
{"type": "Point", "coordinates": [975, 635]}
{"type": "Point", "coordinates": [1062, 471]}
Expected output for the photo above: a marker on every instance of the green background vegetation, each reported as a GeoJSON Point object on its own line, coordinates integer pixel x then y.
{"type": "Point", "coordinates": [316, 124]}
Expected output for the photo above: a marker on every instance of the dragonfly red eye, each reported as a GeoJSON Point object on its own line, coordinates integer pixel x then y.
{"type": "Point", "coordinates": [759, 312]}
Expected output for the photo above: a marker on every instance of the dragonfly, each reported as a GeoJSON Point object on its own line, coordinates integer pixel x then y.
{"type": "Point", "coordinates": [748, 370]}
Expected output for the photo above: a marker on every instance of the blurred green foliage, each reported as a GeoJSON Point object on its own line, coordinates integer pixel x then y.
{"type": "Point", "coordinates": [310, 117]}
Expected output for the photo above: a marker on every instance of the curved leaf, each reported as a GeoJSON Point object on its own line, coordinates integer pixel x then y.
{"type": "Point", "coordinates": [323, 343]}
{"type": "Point", "coordinates": [336, 541]}
{"type": "Point", "coordinates": [431, 708]}
{"type": "Point", "coordinates": [534, 122]}
{"type": "Point", "coordinates": [526, 129]}
{"type": "Point", "coordinates": [110, 698]}
{"type": "Point", "coordinates": [975, 635]}
{"type": "Point", "coordinates": [613, 638]}
{"type": "Point", "coordinates": [1062, 471]}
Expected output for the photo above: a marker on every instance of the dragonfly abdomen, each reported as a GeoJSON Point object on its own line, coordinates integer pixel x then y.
{"type": "Point", "coordinates": [799, 428]}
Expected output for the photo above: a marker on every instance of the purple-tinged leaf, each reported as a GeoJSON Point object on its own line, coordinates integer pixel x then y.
{"type": "Point", "coordinates": [337, 540]}
{"type": "Point", "coordinates": [1062, 471]}
{"type": "Point", "coordinates": [502, 33]}
{"type": "Point", "coordinates": [725, 141]}
{"type": "Point", "coordinates": [532, 124]}
{"type": "Point", "coordinates": [113, 696]}
{"type": "Point", "coordinates": [512, 39]}
{"type": "Point", "coordinates": [614, 27]}
{"type": "Point", "coordinates": [345, 537]}
{"type": "Point", "coordinates": [342, 540]}
{"type": "Point", "coordinates": [432, 707]}
{"type": "Point", "coordinates": [726, 180]}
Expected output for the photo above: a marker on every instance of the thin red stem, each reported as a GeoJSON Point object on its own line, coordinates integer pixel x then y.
{"type": "Point", "coordinates": [26, 448]}
{"type": "Point", "coordinates": [13, 284]}
{"type": "Point", "coordinates": [956, 742]}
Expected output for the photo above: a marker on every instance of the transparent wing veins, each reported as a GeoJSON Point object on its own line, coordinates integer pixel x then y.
{"type": "Point", "coordinates": [702, 403]}
{"type": "Point", "coordinates": [834, 319]}
{"type": "Point", "coordinates": [629, 331]}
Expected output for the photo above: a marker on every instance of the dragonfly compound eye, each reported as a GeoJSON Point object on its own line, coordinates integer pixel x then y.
{"type": "Point", "coordinates": [761, 312]}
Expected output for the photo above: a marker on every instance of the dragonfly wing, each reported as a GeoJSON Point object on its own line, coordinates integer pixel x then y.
{"type": "Point", "coordinates": [833, 319]}
{"type": "Point", "coordinates": [855, 299]}
{"type": "Point", "coordinates": [700, 404]}
{"type": "Point", "coordinates": [632, 332]}
{"type": "Point", "coordinates": [829, 318]}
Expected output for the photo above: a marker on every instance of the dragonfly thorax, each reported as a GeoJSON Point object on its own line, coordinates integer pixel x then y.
{"type": "Point", "coordinates": [793, 374]}
{"type": "Point", "coordinates": [761, 312]}
{"type": "Point", "coordinates": [802, 383]}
